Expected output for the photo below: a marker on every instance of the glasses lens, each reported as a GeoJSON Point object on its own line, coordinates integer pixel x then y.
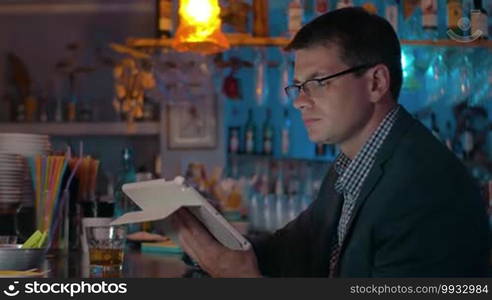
{"type": "Point", "coordinates": [313, 88]}
{"type": "Point", "coordinates": [292, 92]}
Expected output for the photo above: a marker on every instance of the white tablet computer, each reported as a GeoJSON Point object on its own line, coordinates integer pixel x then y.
{"type": "Point", "coordinates": [158, 199]}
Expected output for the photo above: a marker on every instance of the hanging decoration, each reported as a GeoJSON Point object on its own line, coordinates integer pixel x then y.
{"type": "Point", "coordinates": [132, 78]}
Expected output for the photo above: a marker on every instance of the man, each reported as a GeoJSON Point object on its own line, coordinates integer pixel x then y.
{"type": "Point", "coordinates": [396, 202]}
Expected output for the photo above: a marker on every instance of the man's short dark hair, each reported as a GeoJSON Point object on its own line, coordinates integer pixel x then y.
{"type": "Point", "coordinates": [362, 37]}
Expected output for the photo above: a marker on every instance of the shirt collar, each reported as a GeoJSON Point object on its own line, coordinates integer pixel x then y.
{"type": "Point", "coordinates": [351, 173]}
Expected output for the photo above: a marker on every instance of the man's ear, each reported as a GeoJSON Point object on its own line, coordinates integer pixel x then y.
{"type": "Point", "coordinates": [379, 82]}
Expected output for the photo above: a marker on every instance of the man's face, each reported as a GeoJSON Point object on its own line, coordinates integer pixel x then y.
{"type": "Point", "coordinates": [344, 107]}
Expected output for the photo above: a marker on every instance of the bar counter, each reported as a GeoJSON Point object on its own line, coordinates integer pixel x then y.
{"type": "Point", "coordinates": [136, 265]}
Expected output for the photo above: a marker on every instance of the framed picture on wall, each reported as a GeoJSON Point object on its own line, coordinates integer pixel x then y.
{"type": "Point", "coordinates": [192, 125]}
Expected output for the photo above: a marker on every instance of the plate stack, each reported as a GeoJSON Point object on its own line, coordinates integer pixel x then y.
{"type": "Point", "coordinates": [12, 176]}
{"type": "Point", "coordinates": [15, 179]}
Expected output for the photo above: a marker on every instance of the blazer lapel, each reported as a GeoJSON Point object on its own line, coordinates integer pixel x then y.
{"type": "Point", "coordinates": [399, 128]}
{"type": "Point", "coordinates": [333, 207]}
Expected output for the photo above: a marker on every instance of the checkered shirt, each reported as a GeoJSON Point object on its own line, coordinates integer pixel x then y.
{"type": "Point", "coordinates": [352, 174]}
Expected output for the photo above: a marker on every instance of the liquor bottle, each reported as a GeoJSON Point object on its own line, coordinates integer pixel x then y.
{"type": "Point", "coordinates": [128, 174]}
{"type": "Point", "coordinates": [249, 134]}
{"type": "Point", "coordinates": [268, 134]}
{"type": "Point", "coordinates": [233, 140]}
{"type": "Point", "coordinates": [295, 14]}
{"type": "Point", "coordinates": [429, 18]}
{"type": "Point", "coordinates": [392, 14]}
{"type": "Point", "coordinates": [434, 127]}
{"type": "Point", "coordinates": [321, 7]}
{"type": "Point", "coordinates": [164, 18]}
{"type": "Point", "coordinates": [412, 27]}
{"type": "Point", "coordinates": [455, 14]}
{"type": "Point", "coordinates": [285, 134]}
{"type": "Point", "coordinates": [479, 20]}
{"type": "Point", "coordinates": [344, 3]}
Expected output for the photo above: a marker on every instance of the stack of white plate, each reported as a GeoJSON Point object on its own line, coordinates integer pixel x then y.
{"type": "Point", "coordinates": [15, 178]}
{"type": "Point", "coordinates": [24, 144]}
{"type": "Point", "coordinates": [12, 176]}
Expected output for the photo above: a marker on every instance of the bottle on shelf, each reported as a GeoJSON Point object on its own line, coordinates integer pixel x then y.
{"type": "Point", "coordinates": [429, 18]}
{"type": "Point", "coordinates": [479, 20]}
{"type": "Point", "coordinates": [127, 174]}
{"type": "Point", "coordinates": [164, 18]}
{"type": "Point", "coordinates": [233, 145]}
{"type": "Point", "coordinates": [285, 134]}
{"type": "Point", "coordinates": [295, 14]}
{"type": "Point", "coordinates": [392, 14]}
{"type": "Point", "coordinates": [267, 145]}
{"type": "Point", "coordinates": [249, 134]}
{"type": "Point", "coordinates": [454, 17]}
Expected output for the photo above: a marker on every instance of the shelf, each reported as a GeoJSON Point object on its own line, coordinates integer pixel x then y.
{"type": "Point", "coordinates": [83, 128]}
{"type": "Point", "coordinates": [248, 40]}
{"type": "Point", "coordinates": [447, 43]}
{"type": "Point", "coordinates": [234, 40]}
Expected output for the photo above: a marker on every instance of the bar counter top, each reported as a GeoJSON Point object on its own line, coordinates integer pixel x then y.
{"type": "Point", "coordinates": [136, 265]}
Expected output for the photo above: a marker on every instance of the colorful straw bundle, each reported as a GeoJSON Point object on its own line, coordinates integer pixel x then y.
{"type": "Point", "coordinates": [47, 174]}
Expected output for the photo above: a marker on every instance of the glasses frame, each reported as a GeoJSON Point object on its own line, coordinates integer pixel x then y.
{"type": "Point", "coordinates": [300, 87]}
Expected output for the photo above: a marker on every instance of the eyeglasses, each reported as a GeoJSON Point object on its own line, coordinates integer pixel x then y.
{"type": "Point", "coordinates": [312, 87]}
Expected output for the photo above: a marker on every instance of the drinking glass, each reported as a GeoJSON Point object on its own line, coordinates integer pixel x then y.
{"type": "Point", "coordinates": [106, 245]}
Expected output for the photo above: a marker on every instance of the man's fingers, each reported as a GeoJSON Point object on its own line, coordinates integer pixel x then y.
{"type": "Point", "coordinates": [199, 234]}
{"type": "Point", "coordinates": [183, 234]}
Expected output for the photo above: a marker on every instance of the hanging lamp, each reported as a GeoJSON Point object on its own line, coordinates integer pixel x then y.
{"type": "Point", "coordinates": [200, 28]}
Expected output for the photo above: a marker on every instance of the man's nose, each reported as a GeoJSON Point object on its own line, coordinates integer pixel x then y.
{"type": "Point", "coordinates": [302, 101]}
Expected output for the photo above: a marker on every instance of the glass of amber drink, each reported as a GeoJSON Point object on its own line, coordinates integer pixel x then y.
{"type": "Point", "coordinates": [106, 245]}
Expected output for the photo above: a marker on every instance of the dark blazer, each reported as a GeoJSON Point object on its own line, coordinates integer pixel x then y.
{"type": "Point", "coordinates": [419, 214]}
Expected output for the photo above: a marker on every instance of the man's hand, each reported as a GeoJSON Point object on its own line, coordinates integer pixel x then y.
{"type": "Point", "coordinates": [213, 257]}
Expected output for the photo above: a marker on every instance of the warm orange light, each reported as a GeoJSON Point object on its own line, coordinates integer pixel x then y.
{"type": "Point", "coordinates": [199, 28]}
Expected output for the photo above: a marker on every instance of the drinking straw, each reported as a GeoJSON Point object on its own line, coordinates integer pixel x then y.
{"type": "Point", "coordinates": [74, 165]}
{"type": "Point", "coordinates": [59, 169]}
